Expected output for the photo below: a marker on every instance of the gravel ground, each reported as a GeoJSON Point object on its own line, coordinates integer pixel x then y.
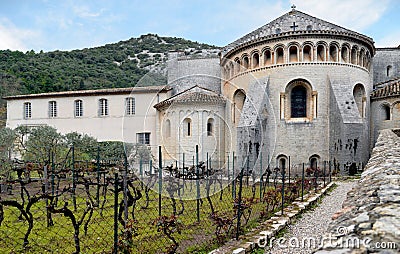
{"type": "Point", "coordinates": [312, 224]}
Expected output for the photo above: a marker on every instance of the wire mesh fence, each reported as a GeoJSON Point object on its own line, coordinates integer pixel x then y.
{"type": "Point", "coordinates": [111, 206]}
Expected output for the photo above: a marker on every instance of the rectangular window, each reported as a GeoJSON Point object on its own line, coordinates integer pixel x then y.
{"type": "Point", "coordinates": [27, 110]}
{"type": "Point", "coordinates": [78, 108]}
{"type": "Point", "coordinates": [130, 106]}
{"type": "Point", "coordinates": [143, 138]}
{"type": "Point", "coordinates": [52, 109]}
{"type": "Point", "coordinates": [103, 107]}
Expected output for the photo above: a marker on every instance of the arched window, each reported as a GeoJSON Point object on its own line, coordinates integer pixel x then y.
{"type": "Point", "coordinates": [307, 57]}
{"type": "Point", "coordinates": [167, 128]}
{"type": "Point", "coordinates": [239, 98]}
{"type": "Point", "coordinates": [320, 53]}
{"type": "Point", "coordinates": [256, 60]}
{"type": "Point", "coordinates": [395, 111]}
{"type": "Point", "coordinates": [298, 102]}
{"type": "Point", "coordinates": [237, 66]}
{"type": "Point", "coordinates": [360, 99]}
{"type": "Point", "coordinates": [314, 161]}
{"type": "Point", "coordinates": [78, 108]}
{"type": "Point", "coordinates": [333, 53]}
{"type": "Point", "coordinates": [267, 57]}
{"type": "Point", "coordinates": [354, 55]}
{"type": "Point", "coordinates": [187, 127]}
{"type": "Point", "coordinates": [388, 71]}
{"type": "Point", "coordinates": [278, 31]}
{"type": "Point", "coordinates": [245, 62]}
{"type": "Point", "coordinates": [293, 54]}
{"type": "Point", "coordinates": [282, 161]}
{"type": "Point", "coordinates": [386, 111]}
{"type": "Point", "coordinates": [309, 28]}
{"type": "Point", "coordinates": [279, 56]}
{"type": "Point", "coordinates": [210, 127]}
{"type": "Point", "coordinates": [345, 54]}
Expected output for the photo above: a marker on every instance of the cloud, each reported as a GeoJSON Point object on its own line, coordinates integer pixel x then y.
{"type": "Point", "coordinates": [85, 12]}
{"type": "Point", "coordinates": [15, 38]}
{"type": "Point", "coordinates": [355, 14]}
{"type": "Point", "coordinates": [391, 40]}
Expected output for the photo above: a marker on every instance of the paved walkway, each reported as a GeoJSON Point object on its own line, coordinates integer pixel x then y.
{"type": "Point", "coordinates": [312, 224]}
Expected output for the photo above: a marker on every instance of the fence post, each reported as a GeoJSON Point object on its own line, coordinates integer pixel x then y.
{"type": "Point", "coordinates": [125, 189]}
{"type": "Point", "coordinates": [229, 178]}
{"type": "Point", "coordinates": [330, 172]}
{"type": "Point", "coordinates": [183, 173]}
{"type": "Point", "coordinates": [233, 176]}
{"type": "Point", "coordinates": [261, 176]}
{"type": "Point", "coordinates": [115, 213]}
{"type": "Point", "coordinates": [302, 183]}
{"type": "Point", "coordinates": [73, 178]}
{"type": "Point", "coordinates": [324, 172]}
{"type": "Point", "coordinates": [98, 175]}
{"type": "Point", "coordinates": [289, 170]}
{"type": "Point", "coordinates": [197, 183]}
{"type": "Point", "coordinates": [159, 179]}
{"type": "Point", "coordinates": [283, 189]}
{"type": "Point", "coordinates": [239, 203]}
{"type": "Point", "coordinates": [52, 173]}
{"type": "Point", "coordinates": [316, 176]}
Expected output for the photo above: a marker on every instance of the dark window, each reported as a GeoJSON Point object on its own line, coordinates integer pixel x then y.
{"type": "Point", "coordinates": [387, 112]}
{"type": "Point", "coordinates": [210, 127]}
{"type": "Point", "coordinates": [143, 138]}
{"type": "Point", "coordinates": [78, 108]}
{"type": "Point", "coordinates": [298, 102]}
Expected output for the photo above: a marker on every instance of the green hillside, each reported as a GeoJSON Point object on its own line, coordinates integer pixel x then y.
{"type": "Point", "coordinates": [119, 64]}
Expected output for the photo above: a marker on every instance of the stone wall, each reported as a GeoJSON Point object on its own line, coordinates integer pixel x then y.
{"type": "Point", "coordinates": [383, 58]}
{"type": "Point", "coordinates": [371, 212]}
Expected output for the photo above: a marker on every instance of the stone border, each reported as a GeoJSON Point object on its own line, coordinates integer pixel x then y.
{"type": "Point", "coordinates": [271, 227]}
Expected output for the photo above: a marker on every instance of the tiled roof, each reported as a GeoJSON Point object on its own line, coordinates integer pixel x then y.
{"type": "Point", "coordinates": [193, 94]}
{"type": "Point", "coordinates": [126, 90]}
{"type": "Point", "coordinates": [293, 22]}
{"type": "Point", "coordinates": [387, 89]}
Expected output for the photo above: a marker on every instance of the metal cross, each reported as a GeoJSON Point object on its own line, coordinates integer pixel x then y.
{"type": "Point", "coordinates": [293, 7]}
{"type": "Point", "coordinates": [294, 26]}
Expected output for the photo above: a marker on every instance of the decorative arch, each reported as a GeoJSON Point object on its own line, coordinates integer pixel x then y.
{"type": "Point", "coordinates": [279, 53]}
{"type": "Point", "coordinates": [360, 98]}
{"type": "Point", "coordinates": [321, 52]}
{"type": "Point", "coordinates": [267, 56]}
{"type": "Point", "coordinates": [210, 127]}
{"type": "Point", "coordinates": [299, 101]}
{"type": "Point", "coordinates": [389, 70]}
{"type": "Point", "coordinates": [167, 128]}
{"type": "Point", "coordinates": [255, 59]}
{"type": "Point", "coordinates": [308, 52]}
{"type": "Point", "coordinates": [396, 110]}
{"type": "Point", "coordinates": [293, 51]}
{"type": "Point", "coordinates": [334, 52]}
{"type": "Point", "coordinates": [245, 61]}
{"type": "Point", "coordinates": [314, 161]}
{"type": "Point", "coordinates": [384, 112]}
{"type": "Point", "coordinates": [239, 97]}
{"type": "Point", "coordinates": [354, 55]}
{"type": "Point", "coordinates": [282, 161]}
{"type": "Point", "coordinates": [345, 53]}
{"type": "Point", "coordinates": [187, 127]}
{"type": "Point", "coordinates": [237, 65]}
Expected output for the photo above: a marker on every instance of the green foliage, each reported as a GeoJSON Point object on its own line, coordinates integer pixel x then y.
{"type": "Point", "coordinates": [7, 138]}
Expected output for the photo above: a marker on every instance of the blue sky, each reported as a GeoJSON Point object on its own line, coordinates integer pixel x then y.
{"type": "Point", "coordinates": [75, 24]}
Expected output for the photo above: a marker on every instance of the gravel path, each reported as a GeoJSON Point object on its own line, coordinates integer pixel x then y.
{"type": "Point", "coordinates": [312, 224]}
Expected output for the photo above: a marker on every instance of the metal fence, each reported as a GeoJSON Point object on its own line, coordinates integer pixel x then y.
{"type": "Point", "coordinates": [111, 206]}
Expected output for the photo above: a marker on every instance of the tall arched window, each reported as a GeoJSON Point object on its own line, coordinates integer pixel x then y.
{"type": "Point", "coordinates": [307, 53]}
{"type": "Point", "coordinates": [282, 161]}
{"type": "Point", "coordinates": [187, 125]}
{"type": "Point", "coordinates": [388, 71]}
{"type": "Point", "coordinates": [320, 53]}
{"type": "Point", "coordinates": [267, 57]}
{"type": "Point", "coordinates": [333, 53]}
{"type": "Point", "coordinates": [167, 128]}
{"type": "Point", "coordinates": [354, 55]}
{"type": "Point", "coordinates": [279, 55]}
{"type": "Point", "coordinates": [386, 111]}
{"type": "Point", "coordinates": [298, 102]}
{"type": "Point", "coordinates": [245, 62]}
{"type": "Point", "coordinates": [210, 127]}
{"type": "Point", "coordinates": [239, 97]}
{"type": "Point", "coordinates": [256, 60]}
{"type": "Point", "coordinates": [293, 54]}
{"type": "Point", "coordinates": [360, 99]}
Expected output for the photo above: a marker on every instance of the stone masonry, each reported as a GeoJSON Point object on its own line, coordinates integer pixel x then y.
{"type": "Point", "coordinates": [370, 216]}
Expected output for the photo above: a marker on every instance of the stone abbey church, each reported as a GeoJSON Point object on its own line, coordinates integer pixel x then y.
{"type": "Point", "coordinates": [298, 88]}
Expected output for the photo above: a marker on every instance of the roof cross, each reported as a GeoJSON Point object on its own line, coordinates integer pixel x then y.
{"type": "Point", "coordinates": [294, 26]}
{"type": "Point", "coordinates": [293, 7]}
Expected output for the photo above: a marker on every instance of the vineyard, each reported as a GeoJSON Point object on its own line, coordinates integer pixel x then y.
{"type": "Point", "coordinates": [104, 206]}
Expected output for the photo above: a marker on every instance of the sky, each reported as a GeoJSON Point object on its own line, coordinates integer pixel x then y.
{"type": "Point", "coordinates": [50, 25]}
